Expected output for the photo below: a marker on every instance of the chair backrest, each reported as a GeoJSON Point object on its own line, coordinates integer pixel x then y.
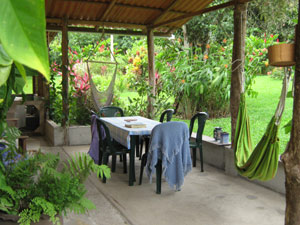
{"type": "Point", "coordinates": [104, 136]}
{"type": "Point", "coordinates": [169, 113]}
{"type": "Point", "coordinates": [111, 111]}
{"type": "Point", "coordinates": [201, 117]}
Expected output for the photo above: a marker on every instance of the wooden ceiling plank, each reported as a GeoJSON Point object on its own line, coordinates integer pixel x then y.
{"type": "Point", "coordinates": [96, 23]}
{"type": "Point", "coordinates": [165, 11]}
{"type": "Point", "coordinates": [189, 15]}
{"type": "Point", "coordinates": [108, 10]}
{"type": "Point", "coordinates": [123, 5]}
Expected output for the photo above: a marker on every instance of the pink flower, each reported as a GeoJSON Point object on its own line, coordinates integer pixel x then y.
{"type": "Point", "coordinates": [277, 40]}
{"type": "Point", "coordinates": [251, 59]}
{"type": "Point", "coordinates": [172, 69]}
{"type": "Point", "coordinates": [168, 64]}
{"type": "Point", "coordinates": [260, 53]}
{"type": "Point", "coordinates": [271, 35]}
{"type": "Point", "coordinates": [75, 52]}
{"type": "Point", "coordinates": [265, 40]}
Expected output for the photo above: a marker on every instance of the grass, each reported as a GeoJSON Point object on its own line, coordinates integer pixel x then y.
{"type": "Point", "coordinates": [260, 110]}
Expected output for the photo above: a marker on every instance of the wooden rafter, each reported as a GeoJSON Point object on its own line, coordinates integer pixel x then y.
{"type": "Point", "coordinates": [124, 5]}
{"type": "Point", "coordinates": [108, 10]}
{"type": "Point", "coordinates": [96, 23]}
{"type": "Point", "coordinates": [189, 15]}
{"type": "Point", "coordinates": [165, 11]}
{"type": "Point", "coordinates": [106, 31]}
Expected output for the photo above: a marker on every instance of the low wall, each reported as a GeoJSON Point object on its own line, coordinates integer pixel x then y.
{"type": "Point", "coordinates": [222, 157]}
{"type": "Point", "coordinates": [77, 135]}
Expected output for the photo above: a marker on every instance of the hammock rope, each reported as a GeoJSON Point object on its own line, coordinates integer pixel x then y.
{"type": "Point", "coordinates": [102, 98]}
{"type": "Point", "coordinates": [261, 162]}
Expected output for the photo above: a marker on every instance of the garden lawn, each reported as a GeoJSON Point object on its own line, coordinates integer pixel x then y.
{"type": "Point", "coordinates": [260, 110]}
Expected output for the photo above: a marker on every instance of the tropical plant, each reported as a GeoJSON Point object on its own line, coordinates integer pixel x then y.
{"type": "Point", "coordinates": [138, 80]}
{"type": "Point", "coordinates": [25, 44]}
{"type": "Point", "coordinates": [34, 185]}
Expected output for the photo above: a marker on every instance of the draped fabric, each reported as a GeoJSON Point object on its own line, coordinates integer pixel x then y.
{"type": "Point", "coordinates": [261, 162]}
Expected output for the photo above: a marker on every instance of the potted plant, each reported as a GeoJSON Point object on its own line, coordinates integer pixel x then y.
{"type": "Point", "coordinates": [37, 185]}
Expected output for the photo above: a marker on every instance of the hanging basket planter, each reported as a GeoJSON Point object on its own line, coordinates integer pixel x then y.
{"type": "Point", "coordinates": [281, 55]}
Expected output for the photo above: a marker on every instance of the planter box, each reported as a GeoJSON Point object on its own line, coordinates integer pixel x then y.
{"type": "Point", "coordinates": [77, 135]}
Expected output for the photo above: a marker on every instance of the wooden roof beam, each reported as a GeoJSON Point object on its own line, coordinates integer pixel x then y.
{"type": "Point", "coordinates": [96, 23]}
{"type": "Point", "coordinates": [197, 13]}
{"type": "Point", "coordinates": [165, 11]}
{"type": "Point", "coordinates": [108, 10]}
{"type": "Point", "coordinates": [55, 28]}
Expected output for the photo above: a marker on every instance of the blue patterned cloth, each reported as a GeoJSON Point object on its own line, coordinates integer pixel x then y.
{"type": "Point", "coordinates": [170, 143]}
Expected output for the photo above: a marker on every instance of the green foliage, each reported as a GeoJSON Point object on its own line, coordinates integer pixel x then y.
{"type": "Point", "coordinates": [34, 186]}
{"type": "Point", "coordinates": [26, 42]}
{"type": "Point", "coordinates": [201, 80]}
{"type": "Point", "coordinates": [137, 71]}
{"type": "Point", "coordinates": [278, 16]}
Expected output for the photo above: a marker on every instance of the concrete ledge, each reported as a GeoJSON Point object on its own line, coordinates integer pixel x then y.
{"type": "Point", "coordinates": [222, 157]}
{"type": "Point", "coordinates": [77, 135]}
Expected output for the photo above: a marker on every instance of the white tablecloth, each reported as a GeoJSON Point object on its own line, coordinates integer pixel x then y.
{"type": "Point", "coordinates": [121, 134]}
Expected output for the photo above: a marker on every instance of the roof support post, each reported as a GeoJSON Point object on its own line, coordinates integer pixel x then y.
{"type": "Point", "coordinates": [65, 75]}
{"type": "Point", "coordinates": [151, 69]}
{"type": "Point", "coordinates": [291, 157]}
{"type": "Point", "coordinates": [238, 62]}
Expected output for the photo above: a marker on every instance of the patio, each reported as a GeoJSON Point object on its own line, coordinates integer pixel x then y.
{"type": "Point", "coordinates": [210, 198]}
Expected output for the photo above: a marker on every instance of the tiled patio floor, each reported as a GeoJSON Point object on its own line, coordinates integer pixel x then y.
{"type": "Point", "coordinates": [209, 198]}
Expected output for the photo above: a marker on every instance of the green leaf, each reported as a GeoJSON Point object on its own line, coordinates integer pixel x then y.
{"type": "Point", "coordinates": [23, 33]}
{"type": "Point", "coordinates": [5, 66]}
{"type": "Point", "coordinates": [5, 60]}
{"type": "Point", "coordinates": [21, 69]}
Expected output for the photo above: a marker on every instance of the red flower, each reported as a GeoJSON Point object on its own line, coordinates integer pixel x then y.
{"type": "Point", "coordinates": [271, 35]}
{"type": "Point", "coordinates": [260, 53]}
{"type": "Point", "coordinates": [277, 40]}
{"type": "Point", "coordinates": [251, 59]}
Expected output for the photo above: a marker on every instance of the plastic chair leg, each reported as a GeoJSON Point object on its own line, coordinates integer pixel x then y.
{"type": "Point", "coordinates": [143, 164]}
{"type": "Point", "coordinates": [158, 177]}
{"type": "Point", "coordinates": [141, 148]}
{"type": "Point", "coordinates": [124, 163]}
{"type": "Point", "coordinates": [194, 157]}
{"type": "Point", "coordinates": [201, 158]}
{"type": "Point", "coordinates": [137, 144]}
{"type": "Point", "coordinates": [105, 161]}
{"type": "Point", "coordinates": [113, 163]}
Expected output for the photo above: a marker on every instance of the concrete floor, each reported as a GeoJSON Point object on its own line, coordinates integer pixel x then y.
{"type": "Point", "coordinates": [208, 198]}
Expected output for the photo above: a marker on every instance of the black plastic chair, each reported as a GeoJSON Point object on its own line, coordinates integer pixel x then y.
{"type": "Point", "coordinates": [179, 166]}
{"type": "Point", "coordinates": [109, 147]}
{"type": "Point", "coordinates": [167, 114]}
{"type": "Point", "coordinates": [197, 143]}
{"type": "Point", "coordinates": [111, 111]}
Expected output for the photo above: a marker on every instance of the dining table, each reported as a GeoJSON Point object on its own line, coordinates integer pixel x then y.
{"type": "Point", "coordinates": [126, 130]}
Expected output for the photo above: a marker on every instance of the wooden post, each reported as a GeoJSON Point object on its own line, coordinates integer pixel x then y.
{"type": "Point", "coordinates": [238, 62]}
{"type": "Point", "coordinates": [291, 158]}
{"type": "Point", "coordinates": [65, 75]}
{"type": "Point", "coordinates": [151, 69]}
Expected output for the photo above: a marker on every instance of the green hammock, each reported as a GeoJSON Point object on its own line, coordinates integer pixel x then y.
{"type": "Point", "coordinates": [262, 162]}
